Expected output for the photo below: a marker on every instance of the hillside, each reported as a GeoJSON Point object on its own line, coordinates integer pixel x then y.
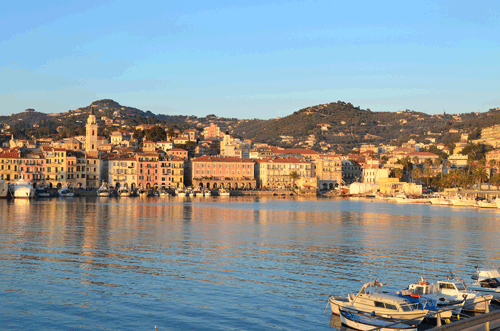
{"type": "Point", "coordinates": [337, 125]}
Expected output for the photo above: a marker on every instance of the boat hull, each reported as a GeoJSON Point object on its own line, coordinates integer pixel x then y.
{"type": "Point", "coordinates": [361, 321]}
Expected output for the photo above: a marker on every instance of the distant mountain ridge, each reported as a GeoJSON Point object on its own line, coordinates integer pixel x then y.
{"type": "Point", "coordinates": [336, 123]}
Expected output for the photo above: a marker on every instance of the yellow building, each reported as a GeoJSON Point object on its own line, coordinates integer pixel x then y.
{"type": "Point", "coordinates": [392, 186]}
{"type": "Point", "coordinates": [55, 166]}
{"type": "Point", "coordinates": [328, 171]}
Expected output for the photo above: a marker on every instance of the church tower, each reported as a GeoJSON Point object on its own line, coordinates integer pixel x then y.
{"type": "Point", "coordinates": [91, 142]}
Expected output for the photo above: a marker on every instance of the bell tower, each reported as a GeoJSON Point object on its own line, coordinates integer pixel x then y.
{"type": "Point", "coordinates": [91, 142]}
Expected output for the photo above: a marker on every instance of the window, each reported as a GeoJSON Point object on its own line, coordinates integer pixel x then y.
{"type": "Point", "coordinates": [391, 307]}
{"type": "Point", "coordinates": [379, 304]}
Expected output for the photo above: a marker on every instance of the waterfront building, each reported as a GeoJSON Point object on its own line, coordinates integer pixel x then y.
{"type": "Point", "coordinates": [55, 166]}
{"type": "Point", "coordinates": [76, 169]}
{"type": "Point", "coordinates": [177, 173]}
{"type": "Point", "coordinates": [392, 186]}
{"type": "Point", "coordinates": [122, 172]}
{"type": "Point", "coordinates": [17, 164]}
{"type": "Point", "coordinates": [274, 173]}
{"type": "Point", "coordinates": [328, 171]}
{"type": "Point", "coordinates": [351, 171]}
{"type": "Point", "coordinates": [214, 172]}
{"type": "Point", "coordinates": [147, 169]}
{"type": "Point", "coordinates": [94, 171]}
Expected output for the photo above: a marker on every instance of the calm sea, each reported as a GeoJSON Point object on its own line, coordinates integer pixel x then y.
{"type": "Point", "coordinates": [220, 263]}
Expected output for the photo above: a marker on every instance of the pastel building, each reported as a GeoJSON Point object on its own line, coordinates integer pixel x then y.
{"type": "Point", "coordinates": [214, 172]}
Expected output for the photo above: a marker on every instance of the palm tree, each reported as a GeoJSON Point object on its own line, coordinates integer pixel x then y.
{"type": "Point", "coordinates": [495, 180]}
{"type": "Point", "coordinates": [427, 174]}
{"type": "Point", "coordinates": [294, 175]}
{"type": "Point", "coordinates": [428, 163]}
{"type": "Point", "coordinates": [480, 175]}
{"type": "Point", "coordinates": [416, 173]}
{"type": "Point", "coordinates": [415, 160]}
{"type": "Point", "coordinates": [492, 163]}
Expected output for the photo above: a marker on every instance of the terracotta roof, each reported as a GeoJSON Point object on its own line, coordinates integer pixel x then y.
{"type": "Point", "coordinates": [282, 160]}
{"type": "Point", "coordinates": [206, 158]}
{"type": "Point", "coordinates": [278, 150]}
{"type": "Point", "coordinates": [11, 153]}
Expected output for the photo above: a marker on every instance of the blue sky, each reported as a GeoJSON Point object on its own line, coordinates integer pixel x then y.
{"type": "Point", "coordinates": [250, 59]}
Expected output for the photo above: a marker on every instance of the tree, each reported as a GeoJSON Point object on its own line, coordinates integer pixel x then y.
{"type": "Point", "coordinates": [476, 151]}
{"type": "Point", "coordinates": [495, 180]}
{"type": "Point", "coordinates": [294, 175]}
{"type": "Point", "coordinates": [396, 173]}
{"type": "Point", "coordinates": [416, 173]}
{"type": "Point", "coordinates": [480, 175]}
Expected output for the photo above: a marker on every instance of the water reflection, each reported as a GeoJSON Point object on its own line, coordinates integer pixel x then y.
{"type": "Point", "coordinates": [251, 255]}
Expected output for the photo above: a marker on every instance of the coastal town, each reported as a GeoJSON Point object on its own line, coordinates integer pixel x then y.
{"type": "Point", "coordinates": [208, 158]}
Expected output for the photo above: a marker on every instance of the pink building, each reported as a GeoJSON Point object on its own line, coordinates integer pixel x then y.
{"type": "Point", "coordinates": [147, 170]}
{"type": "Point", "coordinates": [215, 172]}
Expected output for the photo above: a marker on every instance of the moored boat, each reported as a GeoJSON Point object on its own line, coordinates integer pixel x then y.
{"type": "Point", "coordinates": [365, 321]}
{"type": "Point", "coordinates": [428, 296]}
{"type": "Point", "coordinates": [224, 193]}
{"type": "Point", "coordinates": [4, 189]}
{"type": "Point", "coordinates": [65, 192]}
{"type": "Point", "coordinates": [23, 189]}
{"type": "Point", "coordinates": [486, 282]}
{"type": "Point", "coordinates": [474, 301]}
{"type": "Point", "coordinates": [370, 301]}
{"type": "Point", "coordinates": [104, 190]}
{"type": "Point", "coordinates": [487, 204]}
{"type": "Point", "coordinates": [463, 201]}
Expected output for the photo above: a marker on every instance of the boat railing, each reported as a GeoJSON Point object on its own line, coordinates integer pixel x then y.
{"type": "Point", "coordinates": [437, 315]}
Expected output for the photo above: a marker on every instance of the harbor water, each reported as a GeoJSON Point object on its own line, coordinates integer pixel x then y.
{"type": "Point", "coordinates": [220, 263]}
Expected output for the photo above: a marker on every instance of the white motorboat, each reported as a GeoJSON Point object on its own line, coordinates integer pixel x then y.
{"type": "Point", "coordinates": [124, 192]}
{"type": "Point", "coordinates": [486, 282]}
{"type": "Point", "coordinates": [474, 301]}
{"type": "Point", "coordinates": [365, 321]}
{"type": "Point", "coordinates": [487, 204]}
{"type": "Point", "coordinates": [104, 190]}
{"type": "Point", "coordinates": [224, 193]}
{"type": "Point", "coordinates": [65, 192]}
{"type": "Point", "coordinates": [428, 296]}
{"type": "Point", "coordinates": [207, 193]}
{"type": "Point", "coordinates": [180, 192]}
{"type": "Point", "coordinates": [463, 201]}
{"type": "Point", "coordinates": [385, 305]}
{"type": "Point", "coordinates": [406, 199]}
{"type": "Point", "coordinates": [23, 189]}
{"type": "Point", "coordinates": [4, 189]}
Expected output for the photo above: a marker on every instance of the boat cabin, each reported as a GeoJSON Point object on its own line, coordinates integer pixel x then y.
{"type": "Point", "coordinates": [451, 287]}
{"type": "Point", "coordinates": [369, 299]}
{"type": "Point", "coordinates": [423, 288]}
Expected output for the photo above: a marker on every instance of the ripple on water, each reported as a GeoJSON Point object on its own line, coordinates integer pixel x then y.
{"type": "Point", "coordinates": [247, 263]}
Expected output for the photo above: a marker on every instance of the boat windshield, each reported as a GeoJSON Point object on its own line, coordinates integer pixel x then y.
{"type": "Point", "coordinates": [460, 287]}
{"type": "Point", "coordinates": [406, 307]}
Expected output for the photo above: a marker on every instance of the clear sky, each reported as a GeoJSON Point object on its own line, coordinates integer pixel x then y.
{"type": "Point", "coordinates": [250, 59]}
